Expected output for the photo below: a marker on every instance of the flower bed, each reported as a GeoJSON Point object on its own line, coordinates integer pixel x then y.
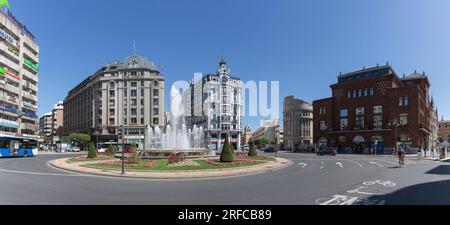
{"type": "Point", "coordinates": [260, 158]}
{"type": "Point", "coordinates": [85, 158]}
{"type": "Point", "coordinates": [142, 164]}
{"type": "Point", "coordinates": [239, 162]}
{"type": "Point", "coordinates": [187, 163]}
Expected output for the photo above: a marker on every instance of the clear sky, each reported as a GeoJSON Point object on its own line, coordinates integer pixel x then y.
{"type": "Point", "coordinates": [303, 44]}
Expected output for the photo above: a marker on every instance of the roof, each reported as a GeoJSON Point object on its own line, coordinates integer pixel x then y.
{"type": "Point", "coordinates": [414, 76]}
{"type": "Point", "coordinates": [364, 71]}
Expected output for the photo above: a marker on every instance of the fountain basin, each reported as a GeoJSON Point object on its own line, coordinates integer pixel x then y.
{"type": "Point", "coordinates": [165, 153]}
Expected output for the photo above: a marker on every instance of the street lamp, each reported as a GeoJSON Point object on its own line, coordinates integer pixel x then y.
{"type": "Point", "coordinates": [395, 123]}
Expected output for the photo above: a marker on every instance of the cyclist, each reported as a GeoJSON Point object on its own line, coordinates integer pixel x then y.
{"type": "Point", "coordinates": [401, 156]}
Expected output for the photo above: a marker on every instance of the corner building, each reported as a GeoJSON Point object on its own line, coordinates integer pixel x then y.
{"type": "Point", "coordinates": [374, 109]}
{"type": "Point", "coordinates": [129, 94]}
{"type": "Point", "coordinates": [19, 68]}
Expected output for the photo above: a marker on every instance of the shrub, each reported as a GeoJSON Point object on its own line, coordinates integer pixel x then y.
{"type": "Point", "coordinates": [135, 158]}
{"type": "Point", "coordinates": [253, 152]}
{"type": "Point", "coordinates": [173, 159]}
{"type": "Point", "coordinates": [227, 154]}
{"type": "Point", "coordinates": [92, 154]}
{"type": "Point", "coordinates": [111, 151]}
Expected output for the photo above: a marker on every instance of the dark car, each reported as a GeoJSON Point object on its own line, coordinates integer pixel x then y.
{"type": "Point", "coordinates": [269, 150]}
{"type": "Point", "coordinates": [327, 151]}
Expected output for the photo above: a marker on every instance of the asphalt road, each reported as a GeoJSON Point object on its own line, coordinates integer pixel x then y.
{"type": "Point", "coordinates": [312, 180]}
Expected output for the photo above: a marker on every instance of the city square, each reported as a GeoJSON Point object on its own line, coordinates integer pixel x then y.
{"type": "Point", "coordinates": [266, 103]}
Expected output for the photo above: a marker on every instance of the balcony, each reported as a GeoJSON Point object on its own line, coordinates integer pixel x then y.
{"type": "Point", "coordinates": [29, 96]}
{"type": "Point", "coordinates": [29, 85]}
{"type": "Point", "coordinates": [10, 88]}
{"type": "Point", "coordinates": [30, 126]}
{"type": "Point", "coordinates": [9, 123]}
{"type": "Point", "coordinates": [30, 75]}
{"type": "Point", "coordinates": [30, 55]}
{"type": "Point", "coordinates": [29, 106]}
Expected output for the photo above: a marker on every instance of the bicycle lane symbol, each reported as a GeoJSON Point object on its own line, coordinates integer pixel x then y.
{"type": "Point", "coordinates": [361, 190]}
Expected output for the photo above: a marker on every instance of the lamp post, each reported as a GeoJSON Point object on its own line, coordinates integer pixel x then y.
{"type": "Point", "coordinates": [395, 123]}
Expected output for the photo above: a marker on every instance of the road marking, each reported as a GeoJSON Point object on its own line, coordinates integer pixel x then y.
{"type": "Point", "coordinates": [375, 163]}
{"type": "Point", "coordinates": [358, 191]}
{"type": "Point", "coordinates": [340, 164]}
{"type": "Point", "coordinates": [337, 200]}
{"type": "Point", "coordinates": [303, 165]}
{"type": "Point", "coordinates": [357, 163]}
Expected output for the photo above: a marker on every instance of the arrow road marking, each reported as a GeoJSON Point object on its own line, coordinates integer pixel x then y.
{"type": "Point", "coordinates": [340, 164]}
{"type": "Point", "coordinates": [303, 165]}
{"type": "Point", "coordinates": [375, 163]}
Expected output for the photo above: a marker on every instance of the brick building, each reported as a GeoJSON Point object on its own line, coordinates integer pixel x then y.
{"type": "Point", "coordinates": [374, 109]}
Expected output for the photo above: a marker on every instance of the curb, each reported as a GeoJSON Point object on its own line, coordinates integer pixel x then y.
{"type": "Point", "coordinates": [263, 168]}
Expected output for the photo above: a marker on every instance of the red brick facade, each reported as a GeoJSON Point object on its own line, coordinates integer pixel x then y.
{"type": "Point", "coordinates": [379, 95]}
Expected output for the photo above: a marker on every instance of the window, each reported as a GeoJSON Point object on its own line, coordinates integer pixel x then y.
{"type": "Point", "coordinates": [344, 113]}
{"type": "Point", "coordinates": [322, 111]}
{"type": "Point", "coordinates": [125, 83]}
{"type": "Point", "coordinates": [125, 93]}
{"type": "Point", "coordinates": [112, 112]}
{"type": "Point", "coordinates": [133, 93]}
{"type": "Point", "coordinates": [142, 92]}
{"type": "Point", "coordinates": [403, 119]}
{"type": "Point", "coordinates": [111, 122]}
{"type": "Point", "coordinates": [365, 92]}
{"type": "Point", "coordinates": [125, 102]}
{"type": "Point", "coordinates": [133, 112]}
{"type": "Point", "coordinates": [360, 93]}
{"type": "Point", "coordinates": [142, 120]}
{"type": "Point", "coordinates": [377, 109]}
{"type": "Point", "coordinates": [112, 93]}
{"type": "Point", "coordinates": [155, 92]}
{"type": "Point", "coordinates": [354, 93]}
{"type": "Point", "coordinates": [344, 119]}
{"type": "Point", "coordinates": [155, 121]}
{"type": "Point", "coordinates": [359, 122]}
{"type": "Point", "coordinates": [344, 124]}
{"type": "Point", "coordinates": [134, 84]}
{"type": "Point", "coordinates": [111, 85]}
{"type": "Point", "coordinates": [371, 91]}
{"type": "Point", "coordinates": [360, 111]}
{"type": "Point", "coordinates": [403, 101]}
{"type": "Point", "coordinates": [323, 125]}
{"type": "Point", "coordinates": [112, 102]}
{"type": "Point", "coordinates": [142, 111]}
{"type": "Point", "coordinates": [142, 101]}
{"type": "Point", "coordinates": [124, 121]}
{"type": "Point", "coordinates": [155, 111]}
{"type": "Point", "coordinates": [133, 102]}
{"type": "Point", "coordinates": [142, 83]}
{"type": "Point", "coordinates": [378, 122]}
{"type": "Point", "coordinates": [133, 121]}
{"type": "Point", "coordinates": [125, 112]}
{"type": "Point", "coordinates": [156, 102]}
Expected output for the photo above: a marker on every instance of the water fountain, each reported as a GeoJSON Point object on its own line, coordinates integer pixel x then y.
{"type": "Point", "coordinates": [177, 138]}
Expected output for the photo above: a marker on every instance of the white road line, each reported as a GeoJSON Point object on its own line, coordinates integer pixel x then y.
{"type": "Point", "coordinates": [321, 168]}
{"type": "Point", "coordinates": [375, 163]}
{"type": "Point", "coordinates": [357, 163]}
{"type": "Point", "coordinates": [303, 165]}
{"type": "Point", "coordinates": [340, 164]}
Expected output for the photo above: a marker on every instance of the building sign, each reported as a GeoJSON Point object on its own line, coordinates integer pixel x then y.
{"type": "Point", "coordinates": [4, 5]}
{"type": "Point", "coordinates": [10, 39]}
{"type": "Point", "coordinates": [31, 64]}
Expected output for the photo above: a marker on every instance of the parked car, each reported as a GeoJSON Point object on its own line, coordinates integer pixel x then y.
{"type": "Point", "coordinates": [246, 148]}
{"type": "Point", "coordinates": [327, 151]}
{"type": "Point", "coordinates": [101, 150]}
{"type": "Point", "coordinates": [269, 150]}
{"type": "Point", "coordinates": [76, 149]}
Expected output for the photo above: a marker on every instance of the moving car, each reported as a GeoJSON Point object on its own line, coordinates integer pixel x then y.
{"type": "Point", "coordinates": [327, 151]}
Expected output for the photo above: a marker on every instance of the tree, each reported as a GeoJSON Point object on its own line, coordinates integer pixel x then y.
{"type": "Point", "coordinates": [92, 154]}
{"type": "Point", "coordinates": [227, 154]}
{"type": "Point", "coordinates": [80, 139]}
{"type": "Point", "coordinates": [65, 139]}
{"type": "Point", "coordinates": [253, 152]}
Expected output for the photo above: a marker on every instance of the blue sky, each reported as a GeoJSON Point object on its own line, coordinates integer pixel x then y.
{"type": "Point", "coordinates": [303, 44]}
